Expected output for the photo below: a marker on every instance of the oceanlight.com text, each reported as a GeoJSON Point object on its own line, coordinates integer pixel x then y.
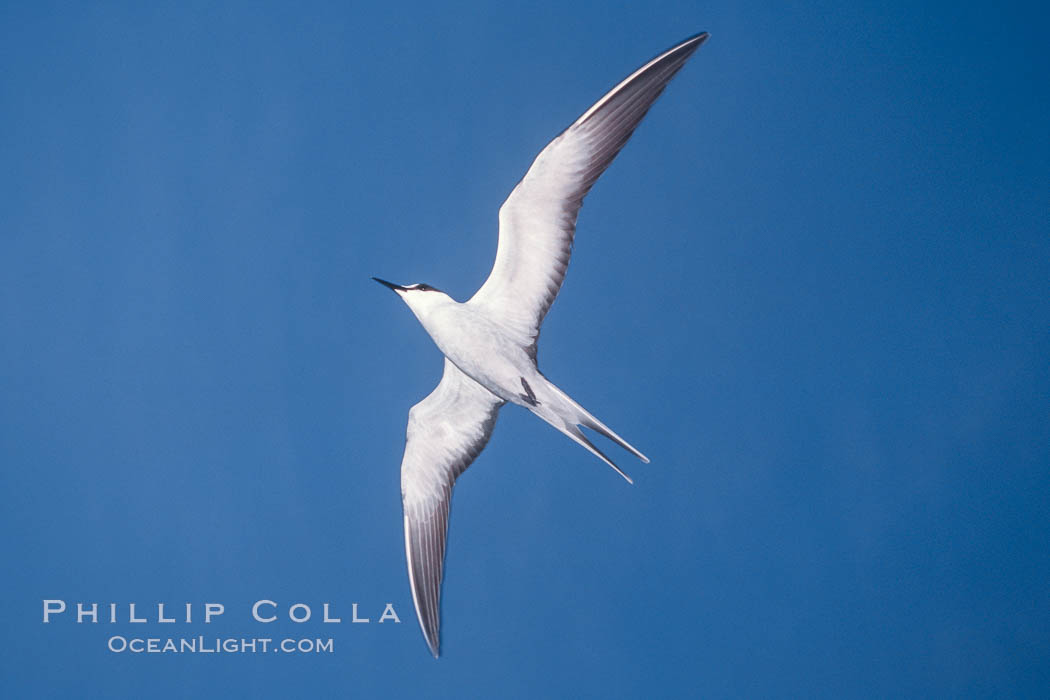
{"type": "Point", "coordinates": [218, 645]}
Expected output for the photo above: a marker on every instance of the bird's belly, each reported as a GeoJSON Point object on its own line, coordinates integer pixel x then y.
{"type": "Point", "coordinates": [485, 355]}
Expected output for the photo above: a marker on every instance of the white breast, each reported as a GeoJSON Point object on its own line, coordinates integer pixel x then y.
{"type": "Point", "coordinates": [479, 347]}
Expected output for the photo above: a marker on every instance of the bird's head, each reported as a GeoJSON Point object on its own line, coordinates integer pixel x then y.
{"type": "Point", "coordinates": [419, 297]}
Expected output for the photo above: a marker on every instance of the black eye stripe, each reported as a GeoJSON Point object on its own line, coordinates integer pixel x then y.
{"type": "Point", "coordinates": [422, 287]}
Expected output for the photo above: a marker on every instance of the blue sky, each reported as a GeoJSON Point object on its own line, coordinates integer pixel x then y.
{"type": "Point", "coordinates": [813, 289]}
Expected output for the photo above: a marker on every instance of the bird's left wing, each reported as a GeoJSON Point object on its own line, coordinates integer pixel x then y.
{"type": "Point", "coordinates": [446, 431]}
{"type": "Point", "coordinates": [538, 221]}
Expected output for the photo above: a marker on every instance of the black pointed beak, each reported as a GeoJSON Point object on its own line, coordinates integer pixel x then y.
{"type": "Point", "coordinates": [395, 287]}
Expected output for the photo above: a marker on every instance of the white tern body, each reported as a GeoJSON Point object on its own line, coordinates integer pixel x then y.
{"type": "Point", "coordinates": [489, 341]}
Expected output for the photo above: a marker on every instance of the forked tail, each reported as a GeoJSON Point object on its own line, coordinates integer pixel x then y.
{"type": "Point", "coordinates": [567, 416]}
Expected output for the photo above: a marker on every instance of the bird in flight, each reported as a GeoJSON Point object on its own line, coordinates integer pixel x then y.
{"type": "Point", "coordinates": [489, 341]}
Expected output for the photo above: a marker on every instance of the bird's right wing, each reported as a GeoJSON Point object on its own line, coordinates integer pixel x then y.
{"type": "Point", "coordinates": [538, 221]}
{"type": "Point", "coordinates": [446, 431]}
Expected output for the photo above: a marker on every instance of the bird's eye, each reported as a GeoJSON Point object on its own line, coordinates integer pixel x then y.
{"type": "Point", "coordinates": [423, 287]}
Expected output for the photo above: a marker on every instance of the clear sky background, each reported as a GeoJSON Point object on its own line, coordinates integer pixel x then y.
{"type": "Point", "coordinates": [813, 289]}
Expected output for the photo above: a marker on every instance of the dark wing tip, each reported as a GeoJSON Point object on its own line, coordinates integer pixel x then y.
{"type": "Point", "coordinates": [688, 46]}
{"type": "Point", "coordinates": [425, 547]}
